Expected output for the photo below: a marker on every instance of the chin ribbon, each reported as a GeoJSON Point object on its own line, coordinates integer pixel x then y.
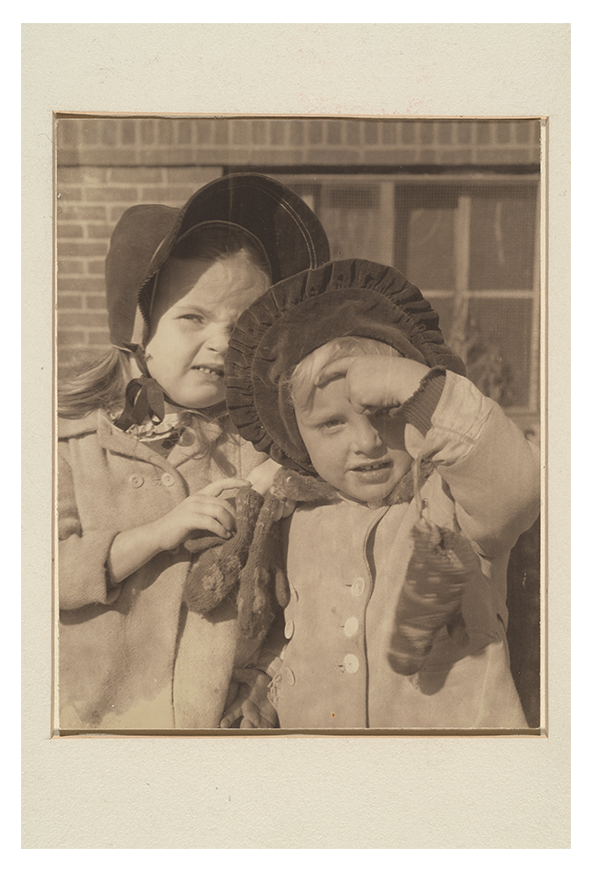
{"type": "Point", "coordinates": [144, 398]}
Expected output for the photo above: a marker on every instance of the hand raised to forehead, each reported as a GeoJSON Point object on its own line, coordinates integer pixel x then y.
{"type": "Point", "coordinates": [375, 382]}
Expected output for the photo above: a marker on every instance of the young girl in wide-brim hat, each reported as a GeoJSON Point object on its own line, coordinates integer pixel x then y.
{"type": "Point", "coordinates": [148, 457]}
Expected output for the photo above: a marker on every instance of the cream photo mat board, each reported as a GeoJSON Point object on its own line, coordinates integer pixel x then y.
{"type": "Point", "coordinates": [511, 791]}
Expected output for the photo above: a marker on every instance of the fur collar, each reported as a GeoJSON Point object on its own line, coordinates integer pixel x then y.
{"type": "Point", "coordinates": [302, 488]}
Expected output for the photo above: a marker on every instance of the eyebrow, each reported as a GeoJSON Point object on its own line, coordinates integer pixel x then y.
{"type": "Point", "coordinates": [193, 308]}
{"type": "Point", "coordinates": [317, 418]}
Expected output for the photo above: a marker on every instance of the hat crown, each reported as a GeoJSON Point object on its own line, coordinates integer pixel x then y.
{"type": "Point", "coordinates": [288, 231]}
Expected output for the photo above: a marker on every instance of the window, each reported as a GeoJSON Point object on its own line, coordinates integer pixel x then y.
{"type": "Point", "coordinates": [470, 244]}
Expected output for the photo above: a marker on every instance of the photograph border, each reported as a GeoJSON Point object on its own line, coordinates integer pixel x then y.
{"type": "Point", "coordinates": [443, 172]}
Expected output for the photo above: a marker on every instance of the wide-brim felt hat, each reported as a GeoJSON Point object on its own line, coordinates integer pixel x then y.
{"type": "Point", "coordinates": [288, 231]}
{"type": "Point", "coordinates": [303, 312]}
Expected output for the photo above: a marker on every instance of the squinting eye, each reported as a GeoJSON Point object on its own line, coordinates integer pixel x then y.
{"type": "Point", "coordinates": [330, 424]}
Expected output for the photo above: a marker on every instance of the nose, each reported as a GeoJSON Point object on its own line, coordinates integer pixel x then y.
{"type": "Point", "coordinates": [365, 438]}
{"type": "Point", "coordinates": [217, 339]}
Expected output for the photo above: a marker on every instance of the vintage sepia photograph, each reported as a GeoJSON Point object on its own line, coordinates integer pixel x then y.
{"type": "Point", "coordinates": [296, 313]}
{"type": "Point", "coordinates": [299, 425]}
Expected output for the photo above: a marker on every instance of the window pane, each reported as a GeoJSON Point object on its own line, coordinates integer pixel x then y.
{"type": "Point", "coordinates": [502, 238]}
{"type": "Point", "coordinates": [350, 214]}
{"type": "Point", "coordinates": [426, 246]}
{"type": "Point", "coordinates": [498, 359]}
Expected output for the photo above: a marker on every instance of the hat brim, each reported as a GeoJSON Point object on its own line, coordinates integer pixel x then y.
{"type": "Point", "coordinates": [138, 234]}
{"type": "Point", "coordinates": [288, 231]}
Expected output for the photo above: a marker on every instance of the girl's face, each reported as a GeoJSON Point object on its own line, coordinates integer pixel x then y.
{"type": "Point", "coordinates": [361, 455]}
{"type": "Point", "coordinates": [196, 307]}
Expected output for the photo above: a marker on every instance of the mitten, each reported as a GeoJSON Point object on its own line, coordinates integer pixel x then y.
{"type": "Point", "coordinates": [258, 578]}
{"type": "Point", "coordinates": [442, 561]}
{"type": "Point", "coordinates": [216, 572]}
{"type": "Point", "coordinates": [264, 572]}
{"type": "Point", "coordinates": [431, 597]}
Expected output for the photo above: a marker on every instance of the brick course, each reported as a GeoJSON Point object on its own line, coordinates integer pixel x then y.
{"type": "Point", "coordinates": [154, 142]}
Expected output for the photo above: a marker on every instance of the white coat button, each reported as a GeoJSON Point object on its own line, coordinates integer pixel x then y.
{"type": "Point", "coordinates": [167, 479]}
{"type": "Point", "coordinates": [289, 627]}
{"type": "Point", "coordinates": [351, 663]}
{"type": "Point", "coordinates": [136, 480]}
{"type": "Point", "coordinates": [289, 677]}
{"type": "Point", "coordinates": [294, 593]}
{"type": "Point", "coordinates": [358, 588]}
{"type": "Point", "coordinates": [351, 627]}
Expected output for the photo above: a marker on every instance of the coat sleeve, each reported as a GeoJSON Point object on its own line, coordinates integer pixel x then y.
{"type": "Point", "coordinates": [489, 468]}
{"type": "Point", "coordinates": [82, 573]}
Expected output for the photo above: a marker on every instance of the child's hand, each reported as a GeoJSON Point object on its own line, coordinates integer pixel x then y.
{"type": "Point", "coordinates": [251, 702]}
{"type": "Point", "coordinates": [262, 479]}
{"type": "Point", "coordinates": [375, 382]}
{"type": "Point", "coordinates": [204, 510]}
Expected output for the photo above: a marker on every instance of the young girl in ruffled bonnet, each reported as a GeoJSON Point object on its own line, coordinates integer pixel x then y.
{"type": "Point", "coordinates": [412, 488]}
{"type": "Point", "coordinates": [149, 462]}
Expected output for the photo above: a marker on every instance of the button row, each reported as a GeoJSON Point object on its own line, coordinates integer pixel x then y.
{"type": "Point", "coordinates": [350, 664]}
{"type": "Point", "coordinates": [167, 480]}
{"type": "Point", "coordinates": [351, 627]}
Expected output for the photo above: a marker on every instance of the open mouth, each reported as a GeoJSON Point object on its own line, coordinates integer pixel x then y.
{"type": "Point", "coordinates": [377, 466]}
{"type": "Point", "coordinates": [207, 370]}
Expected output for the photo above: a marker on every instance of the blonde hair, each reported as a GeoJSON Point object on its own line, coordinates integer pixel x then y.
{"type": "Point", "coordinates": [95, 381]}
{"type": "Point", "coordinates": [308, 371]}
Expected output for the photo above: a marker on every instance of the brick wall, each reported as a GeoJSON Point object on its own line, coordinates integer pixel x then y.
{"type": "Point", "coordinates": [291, 142]}
{"type": "Point", "coordinates": [105, 165]}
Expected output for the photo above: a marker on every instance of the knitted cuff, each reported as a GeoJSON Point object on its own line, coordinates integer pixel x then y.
{"type": "Point", "coordinates": [420, 407]}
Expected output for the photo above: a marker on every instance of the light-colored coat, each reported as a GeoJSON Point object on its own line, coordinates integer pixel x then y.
{"type": "Point", "coordinates": [346, 564]}
{"type": "Point", "coordinates": [118, 645]}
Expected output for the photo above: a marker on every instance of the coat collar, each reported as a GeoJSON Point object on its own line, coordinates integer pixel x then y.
{"type": "Point", "coordinates": [109, 437]}
{"type": "Point", "coordinates": [70, 428]}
